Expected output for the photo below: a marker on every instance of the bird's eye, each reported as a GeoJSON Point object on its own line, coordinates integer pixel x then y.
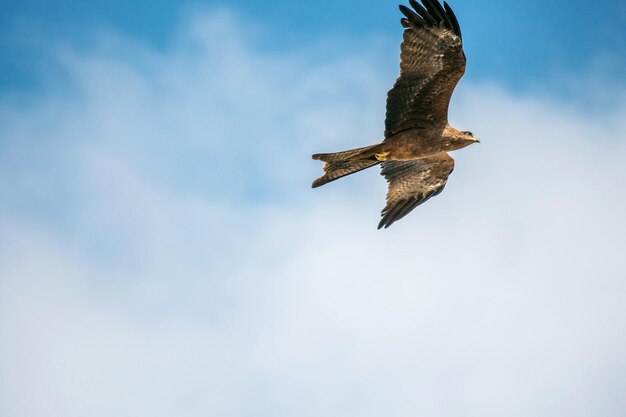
{"type": "Point", "coordinates": [469, 133]}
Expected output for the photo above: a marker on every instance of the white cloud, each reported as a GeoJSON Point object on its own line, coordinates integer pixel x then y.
{"type": "Point", "coordinates": [162, 253]}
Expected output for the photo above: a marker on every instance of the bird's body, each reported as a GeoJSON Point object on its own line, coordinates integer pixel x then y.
{"type": "Point", "coordinates": [419, 143]}
{"type": "Point", "coordinates": [413, 154]}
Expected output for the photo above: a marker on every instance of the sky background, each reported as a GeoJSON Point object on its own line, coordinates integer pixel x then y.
{"type": "Point", "coordinates": [162, 253]}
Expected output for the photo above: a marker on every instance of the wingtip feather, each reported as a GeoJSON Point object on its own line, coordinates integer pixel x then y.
{"type": "Point", "coordinates": [434, 10]}
{"type": "Point", "coordinates": [413, 19]}
{"type": "Point", "coordinates": [453, 20]}
{"type": "Point", "coordinates": [319, 182]}
{"type": "Point", "coordinates": [423, 12]}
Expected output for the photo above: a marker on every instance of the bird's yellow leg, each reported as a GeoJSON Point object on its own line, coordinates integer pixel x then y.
{"type": "Point", "coordinates": [382, 156]}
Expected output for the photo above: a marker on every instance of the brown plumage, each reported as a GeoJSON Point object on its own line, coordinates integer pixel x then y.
{"type": "Point", "coordinates": [417, 134]}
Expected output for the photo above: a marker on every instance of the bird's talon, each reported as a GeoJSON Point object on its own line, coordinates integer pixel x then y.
{"type": "Point", "coordinates": [382, 156]}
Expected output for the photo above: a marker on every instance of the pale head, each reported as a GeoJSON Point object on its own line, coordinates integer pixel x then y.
{"type": "Point", "coordinates": [458, 139]}
{"type": "Point", "coordinates": [468, 137]}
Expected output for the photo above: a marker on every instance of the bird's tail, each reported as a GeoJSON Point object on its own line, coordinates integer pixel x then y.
{"type": "Point", "coordinates": [340, 164]}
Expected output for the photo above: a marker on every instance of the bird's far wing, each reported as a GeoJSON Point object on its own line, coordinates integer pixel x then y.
{"type": "Point", "coordinates": [413, 182]}
{"type": "Point", "coordinates": [431, 63]}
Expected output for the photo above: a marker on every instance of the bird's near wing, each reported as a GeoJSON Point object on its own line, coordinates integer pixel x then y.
{"type": "Point", "coordinates": [431, 63]}
{"type": "Point", "coordinates": [413, 182]}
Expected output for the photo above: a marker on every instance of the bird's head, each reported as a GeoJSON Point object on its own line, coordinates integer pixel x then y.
{"type": "Point", "coordinates": [469, 137]}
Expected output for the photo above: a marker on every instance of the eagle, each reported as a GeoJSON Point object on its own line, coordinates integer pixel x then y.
{"type": "Point", "coordinates": [414, 153]}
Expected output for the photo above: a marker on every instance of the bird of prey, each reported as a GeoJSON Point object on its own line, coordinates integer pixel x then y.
{"type": "Point", "coordinates": [414, 153]}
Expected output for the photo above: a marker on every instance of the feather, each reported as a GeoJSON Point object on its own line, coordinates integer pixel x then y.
{"type": "Point", "coordinates": [413, 18]}
{"type": "Point", "coordinates": [423, 12]}
{"type": "Point", "coordinates": [434, 11]}
{"type": "Point", "coordinates": [453, 20]}
{"type": "Point", "coordinates": [443, 13]}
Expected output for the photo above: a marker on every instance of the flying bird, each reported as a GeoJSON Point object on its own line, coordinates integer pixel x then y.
{"type": "Point", "coordinates": [414, 153]}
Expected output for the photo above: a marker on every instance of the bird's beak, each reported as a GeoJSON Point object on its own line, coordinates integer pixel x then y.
{"type": "Point", "coordinates": [477, 140]}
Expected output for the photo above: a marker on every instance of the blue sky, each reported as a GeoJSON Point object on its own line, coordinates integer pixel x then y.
{"type": "Point", "coordinates": [162, 252]}
{"type": "Point", "coordinates": [524, 44]}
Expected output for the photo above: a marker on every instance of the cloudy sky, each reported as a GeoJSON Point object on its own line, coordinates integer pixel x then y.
{"type": "Point", "coordinates": [162, 254]}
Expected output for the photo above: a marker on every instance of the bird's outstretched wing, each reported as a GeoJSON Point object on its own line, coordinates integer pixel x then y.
{"type": "Point", "coordinates": [413, 182]}
{"type": "Point", "coordinates": [431, 63]}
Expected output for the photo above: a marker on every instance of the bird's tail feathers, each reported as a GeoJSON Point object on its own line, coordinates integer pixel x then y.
{"type": "Point", "coordinates": [340, 164]}
{"type": "Point", "coordinates": [343, 156]}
